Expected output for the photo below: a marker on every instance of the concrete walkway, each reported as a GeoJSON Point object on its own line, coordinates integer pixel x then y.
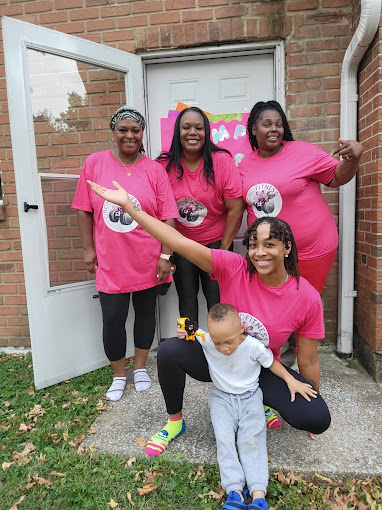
{"type": "Point", "coordinates": [352, 447]}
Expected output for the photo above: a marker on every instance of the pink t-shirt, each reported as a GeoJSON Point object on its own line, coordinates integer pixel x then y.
{"type": "Point", "coordinates": [271, 314]}
{"type": "Point", "coordinates": [287, 185]}
{"type": "Point", "coordinates": [201, 209]}
{"type": "Point", "coordinates": [127, 255]}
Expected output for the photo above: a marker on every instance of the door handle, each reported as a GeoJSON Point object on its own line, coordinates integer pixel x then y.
{"type": "Point", "coordinates": [29, 206]}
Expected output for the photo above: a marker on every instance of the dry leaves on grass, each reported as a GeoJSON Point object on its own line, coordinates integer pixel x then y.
{"type": "Point", "coordinates": [6, 465]}
{"type": "Point", "coordinates": [102, 406]}
{"type": "Point", "coordinates": [131, 461]}
{"type": "Point", "coordinates": [146, 489]}
{"type": "Point", "coordinates": [35, 412]}
{"type": "Point", "coordinates": [23, 457]}
{"type": "Point", "coordinates": [130, 499]}
{"type": "Point", "coordinates": [14, 506]}
{"type": "Point", "coordinates": [25, 427]}
{"type": "Point", "coordinates": [113, 503]}
{"type": "Point", "coordinates": [216, 495]}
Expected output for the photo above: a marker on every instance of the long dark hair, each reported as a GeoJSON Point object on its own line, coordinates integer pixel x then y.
{"type": "Point", "coordinates": [280, 230]}
{"type": "Point", "coordinates": [256, 111]}
{"type": "Point", "coordinates": [174, 154]}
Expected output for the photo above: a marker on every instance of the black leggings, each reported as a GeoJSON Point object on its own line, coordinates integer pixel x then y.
{"type": "Point", "coordinates": [115, 308]}
{"type": "Point", "coordinates": [186, 278]}
{"type": "Point", "coordinates": [176, 358]}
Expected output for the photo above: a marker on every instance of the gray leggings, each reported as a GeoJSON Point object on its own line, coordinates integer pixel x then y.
{"type": "Point", "coordinates": [239, 420]}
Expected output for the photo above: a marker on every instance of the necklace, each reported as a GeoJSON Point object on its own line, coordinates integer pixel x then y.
{"type": "Point", "coordinates": [128, 170]}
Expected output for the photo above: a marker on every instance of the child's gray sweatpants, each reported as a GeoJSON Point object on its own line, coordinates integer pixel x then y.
{"type": "Point", "coordinates": [242, 416]}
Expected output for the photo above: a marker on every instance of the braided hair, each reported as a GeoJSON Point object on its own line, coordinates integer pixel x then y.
{"type": "Point", "coordinates": [174, 154]}
{"type": "Point", "coordinates": [280, 230]}
{"type": "Point", "coordinates": [256, 111]}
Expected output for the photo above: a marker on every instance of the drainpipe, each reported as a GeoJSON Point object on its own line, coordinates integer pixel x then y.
{"type": "Point", "coordinates": [367, 27]}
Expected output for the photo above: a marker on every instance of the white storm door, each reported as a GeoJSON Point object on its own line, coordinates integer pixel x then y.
{"type": "Point", "coordinates": [218, 81]}
{"type": "Point", "coordinates": [62, 91]}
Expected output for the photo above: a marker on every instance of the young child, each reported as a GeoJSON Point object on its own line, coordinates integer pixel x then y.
{"type": "Point", "coordinates": [236, 404]}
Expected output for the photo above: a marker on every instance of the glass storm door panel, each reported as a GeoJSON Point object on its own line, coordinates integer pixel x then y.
{"type": "Point", "coordinates": [61, 91]}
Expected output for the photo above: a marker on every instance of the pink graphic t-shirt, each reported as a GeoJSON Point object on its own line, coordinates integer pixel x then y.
{"type": "Point", "coordinates": [287, 185]}
{"type": "Point", "coordinates": [201, 209]}
{"type": "Point", "coordinates": [127, 255]}
{"type": "Point", "coordinates": [270, 314]}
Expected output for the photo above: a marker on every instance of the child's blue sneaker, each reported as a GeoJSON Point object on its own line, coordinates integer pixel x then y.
{"type": "Point", "coordinates": [258, 504]}
{"type": "Point", "coordinates": [234, 502]}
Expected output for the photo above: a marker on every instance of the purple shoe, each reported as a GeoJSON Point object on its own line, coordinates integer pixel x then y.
{"type": "Point", "coordinates": [234, 502]}
{"type": "Point", "coordinates": [258, 504]}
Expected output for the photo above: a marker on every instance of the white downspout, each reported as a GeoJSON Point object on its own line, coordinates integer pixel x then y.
{"type": "Point", "coordinates": [367, 27]}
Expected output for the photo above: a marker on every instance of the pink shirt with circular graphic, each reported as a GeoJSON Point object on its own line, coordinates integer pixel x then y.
{"type": "Point", "coordinates": [201, 209]}
{"type": "Point", "coordinates": [287, 185]}
{"type": "Point", "coordinates": [270, 314]}
{"type": "Point", "coordinates": [127, 255]}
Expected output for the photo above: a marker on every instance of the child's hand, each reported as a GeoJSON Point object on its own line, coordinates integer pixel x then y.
{"type": "Point", "coordinates": [181, 333]}
{"type": "Point", "coordinates": [306, 390]}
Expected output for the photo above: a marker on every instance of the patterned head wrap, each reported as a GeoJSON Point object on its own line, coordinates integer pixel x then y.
{"type": "Point", "coordinates": [126, 113]}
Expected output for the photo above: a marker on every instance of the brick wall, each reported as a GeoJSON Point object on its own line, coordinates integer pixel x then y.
{"type": "Point", "coordinates": [368, 309]}
{"type": "Point", "coordinates": [316, 32]}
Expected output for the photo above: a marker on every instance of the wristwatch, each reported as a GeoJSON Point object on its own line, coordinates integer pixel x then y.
{"type": "Point", "coordinates": [165, 256]}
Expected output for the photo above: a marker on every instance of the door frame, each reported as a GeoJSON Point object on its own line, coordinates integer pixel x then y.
{"type": "Point", "coordinates": [223, 51]}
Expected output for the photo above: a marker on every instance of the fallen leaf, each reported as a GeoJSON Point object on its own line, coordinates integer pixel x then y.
{"type": "Point", "coordinates": [281, 476]}
{"type": "Point", "coordinates": [77, 441]}
{"type": "Point", "coordinates": [36, 411]}
{"type": "Point", "coordinates": [131, 461]}
{"type": "Point", "coordinates": [14, 506]}
{"type": "Point", "coordinates": [65, 435]}
{"type": "Point", "coordinates": [323, 478]}
{"type": "Point", "coordinates": [42, 481]}
{"type": "Point", "coordinates": [92, 430]}
{"type": "Point", "coordinates": [30, 391]}
{"type": "Point", "coordinates": [6, 465]}
{"type": "Point", "coordinates": [4, 426]}
{"type": "Point", "coordinates": [7, 404]}
{"type": "Point", "coordinates": [102, 406]}
{"type": "Point", "coordinates": [25, 427]}
{"type": "Point", "coordinates": [141, 442]}
{"type": "Point", "coordinates": [212, 495]}
{"type": "Point", "coordinates": [112, 503]}
{"type": "Point", "coordinates": [93, 448]}
{"type": "Point", "coordinates": [128, 387]}
{"type": "Point", "coordinates": [146, 489]}
{"type": "Point", "coordinates": [41, 458]}
{"type": "Point", "coordinates": [130, 499]}
{"type": "Point", "coordinates": [56, 473]}
{"type": "Point", "coordinates": [111, 422]}
{"type": "Point", "coordinates": [29, 485]}
{"type": "Point", "coordinates": [66, 404]}
{"type": "Point", "coordinates": [269, 458]}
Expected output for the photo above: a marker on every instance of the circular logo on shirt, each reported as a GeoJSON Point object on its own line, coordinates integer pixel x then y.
{"type": "Point", "coordinates": [117, 219]}
{"type": "Point", "coordinates": [265, 200]}
{"type": "Point", "coordinates": [191, 211]}
{"type": "Point", "coordinates": [254, 327]}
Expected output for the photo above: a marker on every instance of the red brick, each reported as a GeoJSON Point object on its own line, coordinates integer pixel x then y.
{"type": "Point", "coordinates": [230, 12]}
{"type": "Point", "coordinates": [301, 5]}
{"type": "Point", "coordinates": [171, 5]}
{"type": "Point", "coordinates": [202, 14]}
{"type": "Point", "coordinates": [37, 6]}
{"type": "Point", "coordinates": [210, 3]}
{"type": "Point", "coordinates": [53, 17]}
{"type": "Point", "coordinates": [71, 28]}
{"type": "Point", "coordinates": [11, 10]}
{"type": "Point", "coordinates": [83, 14]}
{"type": "Point", "coordinates": [68, 4]}
{"type": "Point", "coordinates": [133, 21]}
{"type": "Point", "coordinates": [117, 35]}
{"type": "Point", "coordinates": [336, 3]}
{"type": "Point", "coordinates": [148, 6]}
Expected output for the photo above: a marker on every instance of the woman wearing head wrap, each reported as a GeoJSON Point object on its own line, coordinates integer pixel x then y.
{"type": "Point", "coordinates": [125, 259]}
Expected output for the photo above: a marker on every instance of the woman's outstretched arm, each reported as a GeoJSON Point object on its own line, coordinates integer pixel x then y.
{"type": "Point", "coordinates": [196, 253]}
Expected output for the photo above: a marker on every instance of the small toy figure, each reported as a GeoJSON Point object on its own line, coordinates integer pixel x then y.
{"type": "Point", "coordinates": [190, 327]}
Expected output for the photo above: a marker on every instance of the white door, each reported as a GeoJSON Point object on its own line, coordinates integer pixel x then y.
{"type": "Point", "coordinates": [219, 83]}
{"type": "Point", "coordinates": [61, 93]}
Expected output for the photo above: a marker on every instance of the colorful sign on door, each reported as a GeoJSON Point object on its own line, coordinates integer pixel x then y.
{"type": "Point", "coordinates": [227, 131]}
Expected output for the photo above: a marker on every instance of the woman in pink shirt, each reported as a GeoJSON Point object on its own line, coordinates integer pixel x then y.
{"type": "Point", "coordinates": [282, 178]}
{"type": "Point", "coordinates": [125, 259]}
{"type": "Point", "coordinates": [208, 192]}
{"type": "Point", "coordinates": [273, 302]}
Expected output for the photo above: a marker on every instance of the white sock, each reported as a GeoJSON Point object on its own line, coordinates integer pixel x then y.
{"type": "Point", "coordinates": [142, 379]}
{"type": "Point", "coordinates": [116, 389]}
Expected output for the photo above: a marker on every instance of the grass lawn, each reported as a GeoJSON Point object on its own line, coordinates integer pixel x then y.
{"type": "Point", "coordinates": [44, 468]}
